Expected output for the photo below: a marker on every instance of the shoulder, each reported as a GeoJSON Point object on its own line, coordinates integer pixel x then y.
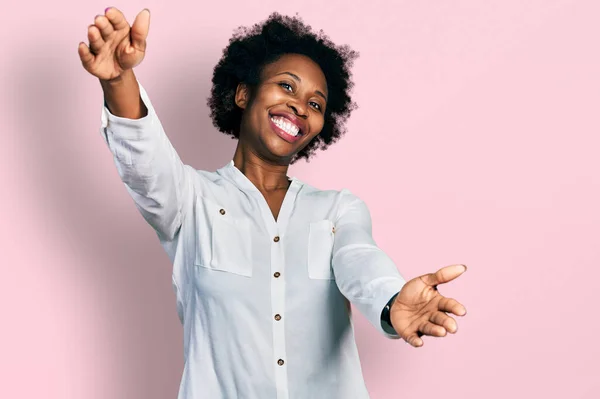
{"type": "Point", "coordinates": [209, 176]}
{"type": "Point", "coordinates": [214, 179]}
{"type": "Point", "coordinates": [342, 199]}
{"type": "Point", "coordinates": [312, 191]}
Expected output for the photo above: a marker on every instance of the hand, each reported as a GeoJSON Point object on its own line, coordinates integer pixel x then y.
{"type": "Point", "coordinates": [419, 309]}
{"type": "Point", "coordinates": [114, 45]}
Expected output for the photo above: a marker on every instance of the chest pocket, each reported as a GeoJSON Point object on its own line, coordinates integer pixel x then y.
{"type": "Point", "coordinates": [224, 243]}
{"type": "Point", "coordinates": [320, 248]}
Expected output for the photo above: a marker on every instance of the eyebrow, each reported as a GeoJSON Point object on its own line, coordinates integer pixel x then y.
{"type": "Point", "coordinates": [300, 80]}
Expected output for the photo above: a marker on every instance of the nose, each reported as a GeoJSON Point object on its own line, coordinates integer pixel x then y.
{"type": "Point", "coordinates": [299, 109]}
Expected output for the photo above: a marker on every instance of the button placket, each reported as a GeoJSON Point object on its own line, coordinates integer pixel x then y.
{"type": "Point", "coordinates": [278, 308]}
{"type": "Point", "coordinates": [277, 317]}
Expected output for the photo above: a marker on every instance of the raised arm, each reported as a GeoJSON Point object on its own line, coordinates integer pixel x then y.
{"type": "Point", "coordinates": [154, 175]}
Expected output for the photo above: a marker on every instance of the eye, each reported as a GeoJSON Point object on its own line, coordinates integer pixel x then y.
{"type": "Point", "coordinates": [316, 105]}
{"type": "Point", "coordinates": [284, 85]}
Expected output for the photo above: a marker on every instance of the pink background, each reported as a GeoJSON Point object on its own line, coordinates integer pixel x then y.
{"type": "Point", "coordinates": [476, 142]}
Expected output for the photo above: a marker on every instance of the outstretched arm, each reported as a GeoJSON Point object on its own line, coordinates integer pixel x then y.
{"type": "Point", "coordinates": [364, 274]}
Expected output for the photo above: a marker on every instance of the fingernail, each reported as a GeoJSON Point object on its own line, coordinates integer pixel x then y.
{"type": "Point", "coordinates": [107, 8]}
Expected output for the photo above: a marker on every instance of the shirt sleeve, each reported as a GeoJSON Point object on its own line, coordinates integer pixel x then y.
{"type": "Point", "coordinates": [363, 272]}
{"type": "Point", "coordinates": [153, 174]}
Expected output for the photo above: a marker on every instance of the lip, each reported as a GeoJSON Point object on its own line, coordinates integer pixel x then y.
{"type": "Point", "coordinates": [301, 124]}
{"type": "Point", "coordinates": [283, 134]}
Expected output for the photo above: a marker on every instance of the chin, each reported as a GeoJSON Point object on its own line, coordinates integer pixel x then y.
{"type": "Point", "coordinates": [279, 149]}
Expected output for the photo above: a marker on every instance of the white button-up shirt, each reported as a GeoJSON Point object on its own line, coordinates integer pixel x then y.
{"type": "Point", "coordinates": [264, 303]}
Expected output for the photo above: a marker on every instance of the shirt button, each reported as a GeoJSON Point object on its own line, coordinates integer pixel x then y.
{"type": "Point", "coordinates": [276, 239]}
{"type": "Point", "coordinates": [222, 211]}
{"type": "Point", "coordinates": [277, 317]}
{"type": "Point", "coordinates": [280, 362]}
{"type": "Point", "coordinates": [276, 274]}
{"type": "Point", "coordinates": [333, 230]}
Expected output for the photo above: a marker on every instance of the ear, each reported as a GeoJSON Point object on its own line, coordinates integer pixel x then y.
{"type": "Point", "coordinates": [242, 95]}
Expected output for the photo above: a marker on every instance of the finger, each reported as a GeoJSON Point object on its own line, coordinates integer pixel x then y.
{"type": "Point", "coordinates": [95, 39]}
{"type": "Point", "coordinates": [104, 25]}
{"type": "Point", "coordinates": [414, 340]}
{"type": "Point", "coordinates": [442, 319]}
{"type": "Point", "coordinates": [451, 306]}
{"type": "Point", "coordinates": [428, 328]}
{"type": "Point", "coordinates": [116, 18]}
{"type": "Point", "coordinates": [139, 30]}
{"type": "Point", "coordinates": [87, 58]}
{"type": "Point", "coordinates": [444, 275]}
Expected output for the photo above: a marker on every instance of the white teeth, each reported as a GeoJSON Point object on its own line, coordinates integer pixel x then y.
{"type": "Point", "coordinates": [284, 124]}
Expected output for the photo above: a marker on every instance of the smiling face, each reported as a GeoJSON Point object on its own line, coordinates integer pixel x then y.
{"type": "Point", "coordinates": [285, 111]}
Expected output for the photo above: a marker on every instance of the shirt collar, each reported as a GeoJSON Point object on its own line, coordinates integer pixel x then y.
{"type": "Point", "coordinates": [232, 173]}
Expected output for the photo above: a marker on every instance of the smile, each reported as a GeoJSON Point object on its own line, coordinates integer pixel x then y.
{"type": "Point", "coordinates": [285, 129]}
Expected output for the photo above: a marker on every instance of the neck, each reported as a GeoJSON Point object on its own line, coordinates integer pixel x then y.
{"type": "Point", "coordinates": [266, 176]}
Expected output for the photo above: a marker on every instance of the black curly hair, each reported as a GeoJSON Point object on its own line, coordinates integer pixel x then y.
{"type": "Point", "coordinates": [251, 49]}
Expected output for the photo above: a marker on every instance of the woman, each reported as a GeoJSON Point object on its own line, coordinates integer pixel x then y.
{"type": "Point", "coordinates": [264, 266]}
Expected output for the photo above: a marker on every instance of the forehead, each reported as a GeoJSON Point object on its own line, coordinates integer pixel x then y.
{"type": "Point", "coordinates": [303, 66]}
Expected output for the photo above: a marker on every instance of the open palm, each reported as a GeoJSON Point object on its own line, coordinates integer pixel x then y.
{"type": "Point", "coordinates": [419, 309]}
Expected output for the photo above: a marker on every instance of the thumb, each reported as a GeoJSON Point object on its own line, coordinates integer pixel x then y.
{"type": "Point", "coordinates": [444, 275]}
{"type": "Point", "coordinates": [139, 30]}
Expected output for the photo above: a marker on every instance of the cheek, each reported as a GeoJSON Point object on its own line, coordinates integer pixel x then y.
{"type": "Point", "coordinates": [270, 95]}
{"type": "Point", "coordinates": [317, 126]}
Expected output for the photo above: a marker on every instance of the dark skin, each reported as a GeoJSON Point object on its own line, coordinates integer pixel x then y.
{"type": "Point", "coordinates": [115, 48]}
{"type": "Point", "coordinates": [295, 84]}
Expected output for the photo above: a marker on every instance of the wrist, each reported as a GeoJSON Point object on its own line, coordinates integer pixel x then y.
{"type": "Point", "coordinates": [122, 96]}
{"type": "Point", "coordinates": [386, 314]}
{"type": "Point", "coordinates": [123, 78]}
